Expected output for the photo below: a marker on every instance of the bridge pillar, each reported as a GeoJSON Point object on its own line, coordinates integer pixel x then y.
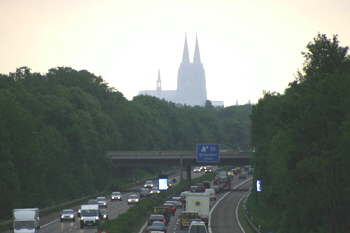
{"type": "Point", "coordinates": [189, 172]}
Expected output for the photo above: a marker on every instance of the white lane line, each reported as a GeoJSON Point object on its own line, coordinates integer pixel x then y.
{"type": "Point", "coordinates": [209, 225]}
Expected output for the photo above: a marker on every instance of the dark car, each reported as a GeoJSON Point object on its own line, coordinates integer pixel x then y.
{"type": "Point", "coordinates": [194, 188]}
{"type": "Point", "coordinates": [92, 202]}
{"type": "Point", "coordinates": [144, 192]}
{"type": "Point", "coordinates": [157, 217]}
{"type": "Point", "coordinates": [242, 175]}
{"type": "Point", "coordinates": [67, 214]}
{"type": "Point", "coordinates": [164, 210]}
{"type": "Point", "coordinates": [160, 224]}
{"type": "Point", "coordinates": [103, 214]}
{"type": "Point", "coordinates": [171, 206]}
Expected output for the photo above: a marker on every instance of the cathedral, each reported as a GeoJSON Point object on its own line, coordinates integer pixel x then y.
{"type": "Point", "coordinates": [191, 85]}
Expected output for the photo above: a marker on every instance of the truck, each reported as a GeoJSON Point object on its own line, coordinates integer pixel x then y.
{"type": "Point", "coordinates": [200, 203]}
{"type": "Point", "coordinates": [26, 220]}
{"type": "Point", "coordinates": [90, 215]}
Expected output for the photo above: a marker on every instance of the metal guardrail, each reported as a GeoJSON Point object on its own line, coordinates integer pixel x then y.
{"type": "Point", "coordinates": [246, 213]}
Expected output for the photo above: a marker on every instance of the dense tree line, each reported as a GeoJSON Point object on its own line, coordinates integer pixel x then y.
{"type": "Point", "coordinates": [302, 146]}
{"type": "Point", "coordinates": [55, 129]}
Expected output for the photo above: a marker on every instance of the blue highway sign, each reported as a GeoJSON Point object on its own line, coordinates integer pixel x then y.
{"type": "Point", "coordinates": [208, 153]}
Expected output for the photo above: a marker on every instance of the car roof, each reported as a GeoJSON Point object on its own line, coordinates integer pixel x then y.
{"type": "Point", "coordinates": [66, 210]}
{"type": "Point", "coordinates": [156, 216]}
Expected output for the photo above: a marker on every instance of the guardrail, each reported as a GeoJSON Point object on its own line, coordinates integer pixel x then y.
{"type": "Point", "coordinates": [245, 210]}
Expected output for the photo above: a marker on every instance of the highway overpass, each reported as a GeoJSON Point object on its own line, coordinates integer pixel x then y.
{"type": "Point", "coordinates": [177, 158]}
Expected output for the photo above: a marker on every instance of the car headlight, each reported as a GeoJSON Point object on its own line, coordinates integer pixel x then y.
{"type": "Point", "coordinates": [129, 200]}
{"type": "Point", "coordinates": [97, 218]}
{"type": "Point", "coordinates": [82, 218]}
{"type": "Point", "coordinates": [136, 200]}
{"type": "Point", "coordinates": [112, 198]}
{"type": "Point", "coordinates": [72, 216]}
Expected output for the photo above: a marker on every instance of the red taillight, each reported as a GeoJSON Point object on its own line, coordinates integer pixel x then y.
{"type": "Point", "coordinates": [164, 220]}
{"type": "Point", "coordinates": [214, 195]}
{"type": "Point", "coordinates": [205, 219]}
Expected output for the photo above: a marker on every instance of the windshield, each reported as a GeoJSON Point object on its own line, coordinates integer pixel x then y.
{"type": "Point", "coordinates": [197, 229]}
{"type": "Point", "coordinates": [24, 224]}
{"type": "Point", "coordinates": [189, 215]}
{"type": "Point", "coordinates": [89, 212]}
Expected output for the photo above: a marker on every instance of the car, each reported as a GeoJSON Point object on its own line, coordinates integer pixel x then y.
{"type": "Point", "coordinates": [116, 196]}
{"type": "Point", "coordinates": [92, 202]}
{"type": "Point", "coordinates": [154, 191]}
{"type": "Point", "coordinates": [133, 199]}
{"type": "Point", "coordinates": [183, 196]}
{"type": "Point", "coordinates": [103, 214]}
{"type": "Point", "coordinates": [194, 188]}
{"type": "Point", "coordinates": [163, 210]}
{"type": "Point", "coordinates": [202, 168]}
{"type": "Point", "coordinates": [145, 192]}
{"type": "Point", "coordinates": [171, 206]}
{"type": "Point", "coordinates": [197, 170]}
{"type": "Point", "coordinates": [242, 175]}
{"type": "Point", "coordinates": [231, 173]}
{"type": "Point", "coordinates": [157, 229]}
{"type": "Point", "coordinates": [197, 227]}
{"type": "Point", "coordinates": [208, 169]}
{"type": "Point", "coordinates": [250, 171]}
{"type": "Point", "coordinates": [160, 224]}
{"type": "Point", "coordinates": [67, 214]}
{"type": "Point", "coordinates": [102, 202]}
{"type": "Point", "coordinates": [148, 184]}
{"type": "Point", "coordinates": [177, 201]}
{"type": "Point", "coordinates": [156, 217]}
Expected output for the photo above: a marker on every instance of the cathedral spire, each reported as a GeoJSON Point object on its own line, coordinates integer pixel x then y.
{"type": "Point", "coordinates": [159, 83]}
{"type": "Point", "coordinates": [197, 57]}
{"type": "Point", "coordinates": [185, 56]}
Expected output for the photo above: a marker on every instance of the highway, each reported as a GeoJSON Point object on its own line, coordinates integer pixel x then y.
{"type": "Point", "coordinates": [223, 213]}
{"type": "Point", "coordinates": [222, 216]}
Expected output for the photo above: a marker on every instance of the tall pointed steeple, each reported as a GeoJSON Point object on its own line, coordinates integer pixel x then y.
{"type": "Point", "coordinates": [185, 56]}
{"type": "Point", "coordinates": [159, 83]}
{"type": "Point", "coordinates": [197, 57]}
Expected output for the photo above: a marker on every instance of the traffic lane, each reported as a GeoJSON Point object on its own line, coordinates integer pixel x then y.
{"type": "Point", "coordinates": [52, 223]}
{"type": "Point", "coordinates": [223, 216]}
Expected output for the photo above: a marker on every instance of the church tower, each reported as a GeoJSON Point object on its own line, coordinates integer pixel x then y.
{"type": "Point", "coordinates": [191, 84]}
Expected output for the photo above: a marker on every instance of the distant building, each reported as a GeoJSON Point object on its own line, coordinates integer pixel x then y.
{"type": "Point", "coordinates": [191, 84]}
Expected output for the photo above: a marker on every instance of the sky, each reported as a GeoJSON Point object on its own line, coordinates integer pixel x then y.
{"type": "Point", "coordinates": [246, 46]}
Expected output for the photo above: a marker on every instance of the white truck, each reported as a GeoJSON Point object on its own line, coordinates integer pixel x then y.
{"type": "Point", "coordinates": [90, 215]}
{"type": "Point", "coordinates": [200, 203]}
{"type": "Point", "coordinates": [26, 220]}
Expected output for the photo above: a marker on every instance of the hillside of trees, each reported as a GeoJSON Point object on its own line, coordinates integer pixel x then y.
{"type": "Point", "coordinates": [55, 129]}
{"type": "Point", "coordinates": [302, 141]}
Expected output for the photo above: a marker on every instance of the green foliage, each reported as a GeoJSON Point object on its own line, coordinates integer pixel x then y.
{"type": "Point", "coordinates": [56, 128]}
{"type": "Point", "coordinates": [301, 139]}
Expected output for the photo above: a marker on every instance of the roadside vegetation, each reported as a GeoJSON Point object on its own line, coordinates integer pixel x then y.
{"type": "Point", "coordinates": [56, 128]}
{"type": "Point", "coordinates": [302, 146]}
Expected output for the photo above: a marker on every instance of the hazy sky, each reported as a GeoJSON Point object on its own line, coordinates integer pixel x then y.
{"type": "Point", "coordinates": [246, 46]}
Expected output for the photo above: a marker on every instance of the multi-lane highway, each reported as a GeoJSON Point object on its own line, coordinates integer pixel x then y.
{"type": "Point", "coordinates": [222, 215]}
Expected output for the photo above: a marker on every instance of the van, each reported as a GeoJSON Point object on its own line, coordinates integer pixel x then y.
{"type": "Point", "coordinates": [197, 227]}
{"type": "Point", "coordinates": [212, 193]}
{"type": "Point", "coordinates": [185, 218]}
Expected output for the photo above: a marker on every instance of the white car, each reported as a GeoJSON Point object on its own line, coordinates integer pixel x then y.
{"type": "Point", "coordinates": [67, 214]}
{"type": "Point", "coordinates": [133, 199]}
{"type": "Point", "coordinates": [116, 196]}
{"type": "Point", "coordinates": [197, 170]}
